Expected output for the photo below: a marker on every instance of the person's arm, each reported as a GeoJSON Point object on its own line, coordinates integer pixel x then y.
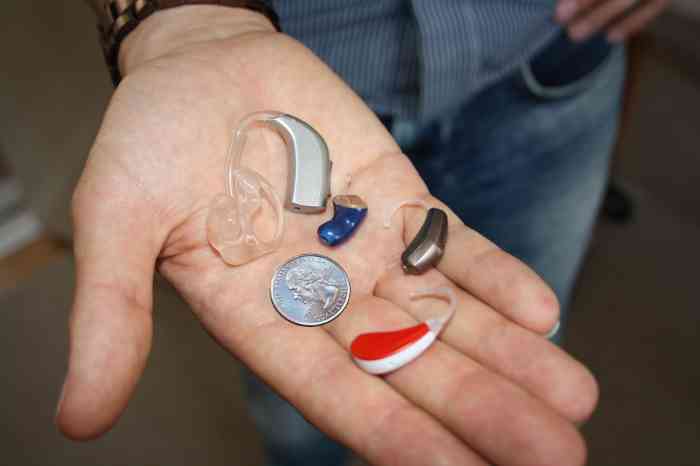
{"type": "Point", "coordinates": [493, 390]}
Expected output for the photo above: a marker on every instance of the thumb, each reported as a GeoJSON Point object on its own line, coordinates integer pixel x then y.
{"type": "Point", "coordinates": [110, 324]}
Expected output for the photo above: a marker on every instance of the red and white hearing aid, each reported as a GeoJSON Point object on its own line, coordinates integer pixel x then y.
{"type": "Point", "coordinates": [384, 352]}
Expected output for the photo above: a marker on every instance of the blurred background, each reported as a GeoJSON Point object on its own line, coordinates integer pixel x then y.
{"type": "Point", "coordinates": [634, 320]}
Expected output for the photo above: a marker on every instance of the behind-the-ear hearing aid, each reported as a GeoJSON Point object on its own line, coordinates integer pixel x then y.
{"type": "Point", "coordinates": [230, 222]}
{"type": "Point", "coordinates": [426, 249]}
{"type": "Point", "coordinates": [384, 352]}
{"type": "Point", "coordinates": [308, 182]}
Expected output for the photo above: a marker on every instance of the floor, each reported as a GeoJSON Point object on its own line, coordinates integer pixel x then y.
{"type": "Point", "coordinates": [636, 317]}
{"type": "Point", "coordinates": [187, 410]}
{"type": "Point", "coordinates": [634, 322]}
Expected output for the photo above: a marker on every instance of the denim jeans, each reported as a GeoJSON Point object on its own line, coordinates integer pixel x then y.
{"type": "Point", "coordinates": [525, 163]}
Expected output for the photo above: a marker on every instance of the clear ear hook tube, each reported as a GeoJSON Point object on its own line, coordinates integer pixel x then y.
{"type": "Point", "coordinates": [384, 352]}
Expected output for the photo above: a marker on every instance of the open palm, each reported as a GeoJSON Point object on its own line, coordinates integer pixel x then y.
{"type": "Point", "coordinates": [493, 390]}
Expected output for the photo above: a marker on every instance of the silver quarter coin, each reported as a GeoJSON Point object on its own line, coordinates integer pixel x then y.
{"type": "Point", "coordinates": [310, 290]}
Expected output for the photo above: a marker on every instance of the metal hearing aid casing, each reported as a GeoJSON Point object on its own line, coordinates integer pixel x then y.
{"type": "Point", "coordinates": [308, 186]}
{"type": "Point", "coordinates": [427, 247]}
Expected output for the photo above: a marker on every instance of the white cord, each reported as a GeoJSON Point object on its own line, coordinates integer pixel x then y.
{"type": "Point", "coordinates": [436, 324]}
{"type": "Point", "coordinates": [402, 204]}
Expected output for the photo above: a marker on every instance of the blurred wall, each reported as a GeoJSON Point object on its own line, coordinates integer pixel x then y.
{"type": "Point", "coordinates": [687, 7]}
{"type": "Point", "coordinates": [53, 90]}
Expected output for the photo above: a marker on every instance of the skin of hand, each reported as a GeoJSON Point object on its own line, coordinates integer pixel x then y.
{"type": "Point", "coordinates": [491, 391]}
{"type": "Point", "coordinates": [619, 18]}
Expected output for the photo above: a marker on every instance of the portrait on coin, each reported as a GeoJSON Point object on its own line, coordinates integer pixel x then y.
{"type": "Point", "coordinates": [313, 285]}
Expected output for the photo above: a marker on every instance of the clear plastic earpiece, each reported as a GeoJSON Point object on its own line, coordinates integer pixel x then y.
{"type": "Point", "coordinates": [230, 224]}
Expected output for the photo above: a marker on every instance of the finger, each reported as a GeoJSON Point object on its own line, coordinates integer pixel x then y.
{"type": "Point", "coordinates": [309, 369]}
{"type": "Point", "coordinates": [470, 260]}
{"type": "Point", "coordinates": [636, 21]}
{"type": "Point", "coordinates": [495, 417]}
{"type": "Point", "coordinates": [600, 15]}
{"type": "Point", "coordinates": [486, 271]}
{"type": "Point", "coordinates": [567, 10]}
{"type": "Point", "coordinates": [525, 358]}
{"type": "Point", "coordinates": [110, 325]}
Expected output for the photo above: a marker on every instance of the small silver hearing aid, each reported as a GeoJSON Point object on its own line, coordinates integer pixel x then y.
{"type": "Point", "coordinates": [428, 246]}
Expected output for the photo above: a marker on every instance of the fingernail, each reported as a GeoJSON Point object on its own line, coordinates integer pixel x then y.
{"type": "Point", "coordinates": [553, 331]}
{"type": "Point", "coordinates": [580, 33]}
{"type": "Point", "coordinates": [60, 400]}
{"type": "Point", "coordinates": [615, 37]}
{"type": "Point", "coordinates": [566, 10]}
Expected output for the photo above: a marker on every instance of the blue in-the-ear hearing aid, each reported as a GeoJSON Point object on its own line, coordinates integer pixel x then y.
{"type": "Point", "coordinates": [349, 212]}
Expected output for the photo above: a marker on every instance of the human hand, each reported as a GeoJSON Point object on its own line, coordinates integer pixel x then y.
{"type": "Point", "coordinates": [619, 18]}
{"type": "Point", "coordinates": [492, 390]}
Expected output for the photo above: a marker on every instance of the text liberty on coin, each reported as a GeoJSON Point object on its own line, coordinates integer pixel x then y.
{"type": "Point", "coordinates": [310, 290]}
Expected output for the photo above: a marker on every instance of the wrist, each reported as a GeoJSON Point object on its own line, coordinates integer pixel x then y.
{"type": "Point", "coordinates": [177, 29]}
